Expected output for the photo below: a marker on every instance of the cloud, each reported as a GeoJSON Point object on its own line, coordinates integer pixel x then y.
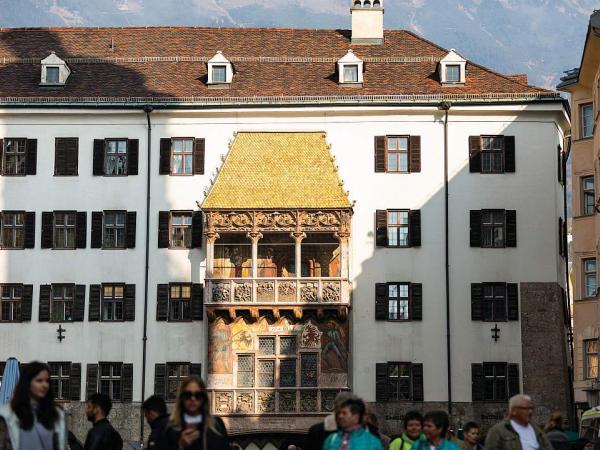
{"type": "Point", "coordinates": [70, 18]}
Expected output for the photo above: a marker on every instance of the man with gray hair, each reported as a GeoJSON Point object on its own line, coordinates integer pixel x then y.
{"type": "Point", "coordinates": [318, 433]}
{"type": "Point", "coordinates": [517, 432]}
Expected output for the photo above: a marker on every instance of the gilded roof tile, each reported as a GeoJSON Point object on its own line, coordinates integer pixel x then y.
{"type": "Point", "coordinates": [273, 170]}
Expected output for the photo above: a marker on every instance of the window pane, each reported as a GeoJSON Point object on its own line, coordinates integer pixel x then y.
{"type": "Point", "coordinates": [403, 161]}
{"type": "Point", "coordinates": [452, 73]}
{"type": "Point", "coordinates": [266, 345]}
{"type": "Point", "coordinates": [392, 143]}
{"type": "Point", "coordinates": [287, 373]}
{"type": "Point", "coordinates": [587, 120]}
{"type": "Point", "coordinates": [287, 345]}
{"type": "Point", "coordinates": [52, 75]}
{"type": "Point", "coordinates": [219, 74]}
{"type": "Point", "coordinates": [392, 162]}
{"type": "Point", "coordinates": [351, 73]}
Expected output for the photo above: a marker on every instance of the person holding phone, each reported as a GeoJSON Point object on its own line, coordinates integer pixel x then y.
{"type": "Point", "coordinates": [191, 426]}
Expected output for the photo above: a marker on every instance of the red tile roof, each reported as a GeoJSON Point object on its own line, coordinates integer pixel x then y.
{"type": "Point", "coordinates": [277, 65]}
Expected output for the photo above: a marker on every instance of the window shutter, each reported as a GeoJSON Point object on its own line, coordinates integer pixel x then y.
{"type": "Point", "coordinates": [509, 154]}
{"type": "Point", "coordinates": [514, 385]}
{"type": "Point", "coordinates": [511, 228]}
{"type": "Point", "coordinates": [199, 151]}
{"type": "Point", "coordinates": [560, 237]}
{"type": "Point", "coordinates": [476, 301]}
{"type": "Point", "coordinates": [163, 229]}
{"type": "Point", "coordinates": [127, 383]}
{"type": "Point", "coordinates": [477, 380]}
{"type": "Point", "coordinates": [381, 382]}
{"type": "Point", "coordinates": [79, 303]}
{"type": "Point", "coordinates": [44, 307]}
{"type": "Point", "coordinates": [129, 302]}
{"type": "Point", "coordinates": [197, 301]}
{"type": "Point", "coordinates": [133, 156]}
{"type": "Point", "coordinates": [94, 309]}
{"type": "Point", "coordinates": [475, 221]}
{"type": "Point", "coordinates": [416, 301]}
{"type": "Point", "coordinates": [98, 160]}
{"type": "Point", "coordinates": [165, 157]}
{"type": "Point", "coordinates": [380, 163]}
{"type": "Point", "coordinates": [91, 380]}
{"type": "Point", "coordinates": [512, 300]}
{"type": "Point", "coordinates": [81, 230]}
{"type": "Point", "coordinates": [160, 380]}
{"type": "Point", "coordinates": [417, 382]}
{"type": "Point", "coordinates": [381, 301]}
{"type": "Point", "coordinates": [381, 232]}
{"type": "Point", "coordinates": [29, 230]}
{"type": "Point", "coordinates": [162, 302]}
{"type": "Point", "coordinates": [97, 222]}
{"type": "Point", "coordinates": [26, 302]}
{"type": "Point", "coordinates": [47, 229]}
{"type": "Point", "coordinates": [414, 224]}
{"type": "Point", "coordinates": [415, 153]}
{"type": "Point", "coordinates": [131, 229]}
{"type": "Point", "coordinates": [475, 154]}
{"type": "Point", "coordinates": [30, 157]}
{"type": "Point", "coordinates": [196, 369]}
{"type": "Point", "coordinates": [197, 229]}
{"type": "Point", "coordinates": [75, 382]}
{"type": "Point", "coordinates": [66, 156]}
{"type": "Point", "coordinates": [559, 164]}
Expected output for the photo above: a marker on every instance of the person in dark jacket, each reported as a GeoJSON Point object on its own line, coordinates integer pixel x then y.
{"type": "Point", "coordinates": [320, 431]}
{"type": "Point", "coordinates": [102, 436]}
{"type": "Point", "coordinates": [155, 412]}
{"type": "Point", "coordinates": [192, 426]}
{"type": "Point", "coordinates": [555, 432]}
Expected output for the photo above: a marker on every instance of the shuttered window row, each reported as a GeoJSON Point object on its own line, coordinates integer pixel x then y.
{"type": "Point", "coordinates": [398, 154]}
{"type": "Point", "coordinates": [179, 302]}
{"type": "Point", "coordinates": [180, 229]}
{"type": "Point", "coordinates": [398, 228]}
{"type": "Point", "coordinates": [181, 156]}
{"type": "Point", "coordinates": [399, 301]}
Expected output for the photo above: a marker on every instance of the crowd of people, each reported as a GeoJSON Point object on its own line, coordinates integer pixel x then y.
{"type": "Point", "coordinates": [33, 421]}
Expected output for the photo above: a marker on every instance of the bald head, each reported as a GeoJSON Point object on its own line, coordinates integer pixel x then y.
{"type": "Point", "coordinates": [520, 409]}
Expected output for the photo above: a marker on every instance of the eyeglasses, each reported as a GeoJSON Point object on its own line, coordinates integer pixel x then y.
{"type": "Point", "coordinates": [529, 408]}
{"type": "Point", "coordinates": [187, 395]}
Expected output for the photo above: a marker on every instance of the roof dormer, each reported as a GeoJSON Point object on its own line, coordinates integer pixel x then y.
{"type": "Point", "coordinates": [220, 70]}
{"type": "Point", "coordinates": [350, 69]}
{"type": "Point", "coordinates": [453, 69]}
{"type": "Point", "coordinates": [54, 71]}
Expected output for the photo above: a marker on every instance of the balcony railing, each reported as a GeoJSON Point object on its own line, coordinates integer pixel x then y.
{"type": "Point", "coordinates": [273, 401]}
{"type": "Point", "coordinates": [277, 291]}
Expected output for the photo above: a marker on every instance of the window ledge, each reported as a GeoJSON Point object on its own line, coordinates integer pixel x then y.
{"type": "Point", "coordinates": [583, 216]}
{"type": "Point", "coordinates": [351, 85]}
{"type": "Point", "coordinates": [588, 138]}
{"type": "Point", "coordinates": [219, 86]}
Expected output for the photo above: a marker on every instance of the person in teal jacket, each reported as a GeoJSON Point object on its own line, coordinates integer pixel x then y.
{"type": "Point", "coordinates": [435, 428]}
{"type": "Point", "coordinates": [352, 435]}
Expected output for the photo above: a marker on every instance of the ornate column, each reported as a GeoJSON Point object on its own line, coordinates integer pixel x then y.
{"type": "Point", "coordinates": [344, 238]}
{"type": "Point", "coordinates": [298, 237]}
{"type": "Point", "coordinates": [211, 237]}
{"type": "Point", "coordinates": [254, 236]}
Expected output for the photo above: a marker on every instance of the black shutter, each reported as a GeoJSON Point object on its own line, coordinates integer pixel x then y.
{"type": "Point", "coordinates": [509, 154]}
{"type": "Point", "coordinates": [477, 380]}
{"type": "Point", "coordinates": [381, 382]}
{"type": "Point", "coordinates": [1, 155]}
{"type": "Point", "coordinates": [476, 301]}
{"type": "Point", "coordinates": [79, 303]}
{"type": "Point", "coordinates": [514, 385]}
{"type": "Point", "coordinates": [133, 156]}
{"type": "Point", "coordinates": [91, 380]}
{"type": "Point", "coordinates": [66, 156]}
{"type": "Point", "coordinates": [416, 301]}
{"type": "Point", "coordinates": [199, 151]}
{"type": "Point", "coordinates": [414, 230]}
{"type": "Point", "coordinates": [81, 230]}
{"type": "Point", "coordinates": [512, 300]}
{"type": "Point", "coordinates": [127, 383]}
{"type": "Point", "coordinates": [560, 237]}
{"type": "Point", "coordinates": [381, 301]}
{"type": "Point", "coordinates": [417, 382]}
{"type": "Point", "coordinates": [165, 157]}
{"type": "Point", "coordinates": [94, 309]}
{"type": "Point", "coordinates": [380, 160]}
{"type": "Point", "coordinates": [197, 229]}
{"type": "Point", "coordinates": [511, 228]}
{"type": "Point", "coordinates": [44, 307]}
{"type": "Point", "coordinates": [162, 302]}
{"type": "Point", "coordinates": [160, 380]}
{"type": "Point", "coordinates": [475, 222]}
{"type": "Point", "coordinates": [163, 229]}
{"type": "Point", "coordinates": [98, 160]}
{"type": "Point", "coordinates": [75, 382]}
{"type": "Point", "coordinates": [196, 369]}
{"type": "Point", "coordinates": [381, 232]}
{"type": "Point", "coordinates": [29, 230]}
{"type": "Point", "coordinates": [474, 154]}
{"type": "Point", "coordinates": [130, 229]}
{"type": "Point", "coordinates": [129, 302]}
{"type": "Point", "coordinates": [47, 229]}
{"type": "Point", "coordinates": [197, 301]}
{"type": "Point", "coordinates": [97, 225]}
{"type": "Point", "coordinates": [414, 147]}
{"type": "Point", "coordinates": [26, 303]}
{"type": "Point", "coordinates": [30, 157]}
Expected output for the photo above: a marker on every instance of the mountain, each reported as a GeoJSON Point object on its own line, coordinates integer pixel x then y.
{"type": "Point", "coordinates": [539, 37]}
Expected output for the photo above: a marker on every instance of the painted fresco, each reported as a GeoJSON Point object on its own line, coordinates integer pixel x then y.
{"type": "Point", "coordinates": [334, 349]}
{"type": "Point", "coordinates": [219, 348]}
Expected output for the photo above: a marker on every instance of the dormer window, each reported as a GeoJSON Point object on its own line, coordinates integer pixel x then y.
{"type": "Point", "coordinates": [452, 69]}
{"type": "Point", "coordinates": [453, 73]}
{"type": "Point", "coordinates": [220, 71]}
{"type": "Point", "coordinates": [351, 73]}
{"type": "Point", "coordinates": [52, 75]}
{"type": "Point", "coordinates": [54, 71]}
{"type": "Point", "coordinates": [350, 69]}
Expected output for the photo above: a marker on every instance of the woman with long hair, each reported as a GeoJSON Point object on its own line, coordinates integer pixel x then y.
{"type": "Point", "coordinates": [192, 427]}
{"type": "Point", "coordinates": [32, 421]}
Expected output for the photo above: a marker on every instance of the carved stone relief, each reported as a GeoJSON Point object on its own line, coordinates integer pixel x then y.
{"type": "Point", "coordinates": [245, 402]}
{"type": "Point", "coordinates": [308, 292]}
{"type": "Point", "coordinates": [265, 291]}
{"type": "Point", "coordinates": [287, 401]}
{"type": "Point", "coordinates": [287, 291]}
{"type": "Point", "coordinates": [243, 292]}
{"type": "Point", "coordinates": [266, 401]}
{"type": "Point", "coordinates": [224, 402]}
{"type": "Point", "coordinates": [331, 292]}
{"type": "Point", "coordinates": [308, 401]}
{"type": "Point", "coordinates": [221, 292]}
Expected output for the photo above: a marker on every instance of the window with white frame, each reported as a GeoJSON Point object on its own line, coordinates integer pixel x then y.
{"type": "Point", "coordinates": [397, 227]}
{"type": "Point", "coordinates": [590, 283]}
{"type": "Point", "coordinates": [453, 73]}
{"type": "Point", "coordinates": [115, 157]}
{"type": "Point", "coordinates": [351, 73]}
{"type": "Point", "coordinates": [62, 302]}
{"type": "Point", "coordinates": [52, 75]}
{"type": "Point", "coordinates": [587, 120]}
{"type": "Point", "coordinates": [590, 359]}
{"type": "Point", "coordinates": [397, 153]}
{"type": "Point", "coordinates": [64, 230]}
{"type": "Point", "coordinates": [114, 230]}
{"type": "Point", "coordinates": [10, 302]}
{"type": "Point", "coordinates": [112, 302]}
{"type": "Point", "coordinates": [398, 301]}
{"type": "Point", "coordinates": [60, 373]}
{"type": "Point", "coordinates": [219, 74]}
{"type": "Point", "coordinates": [13, 230]}
{"type": "Point", "coordinates": [182, 156]}
{"type": "Point", "coordinates": [588, 195]}
{"type": "Point", "coordinates": [110, 380]}
{"type": "Point", "coordinates": [13, 157]}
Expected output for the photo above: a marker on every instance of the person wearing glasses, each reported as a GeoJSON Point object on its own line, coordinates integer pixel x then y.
{"type": "Point", "coordinates": [517, 432]}
{"type": "Point", "coordinates": [192, 427]}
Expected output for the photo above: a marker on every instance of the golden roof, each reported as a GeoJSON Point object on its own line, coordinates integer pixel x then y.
{"type": "Point", "coordinates": [276, 170]}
